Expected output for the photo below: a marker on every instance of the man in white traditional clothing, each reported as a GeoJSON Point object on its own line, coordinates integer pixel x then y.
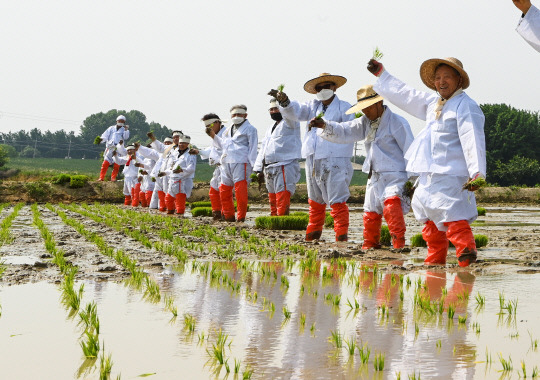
{"type": "Point", "coordinates": [160, 169]}
{"type": "Point", "coordinates": [328, 165]}
{"type": "Point", "coordinates": [239, 152]}
{"type": "Point", "coordinates": [129, 159]}
{"type": "Point", "coordinates": [158, 195]}
{"type": "Point", "coordinates": [111, 137]}
{"type": "Point", "coordinates": [278, 158]}
{"type": "Point", "coordinates": [448, 154]}
{"type": "Point", "coordinates": [387, 137]}
{"type": "Point", "coordinates": [214, 128]}
{"type": "Point", "coordinates": [150, 157]}
{"type": "Point", "coordinates": [181, 170]}
{"type": "Point", "coordinates": [529, 24]}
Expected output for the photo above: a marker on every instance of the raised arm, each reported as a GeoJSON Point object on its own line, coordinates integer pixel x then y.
{"type": "Point", "coordinates": [529, 26]}
{"type": "Point", "coordinates": [346, 132]}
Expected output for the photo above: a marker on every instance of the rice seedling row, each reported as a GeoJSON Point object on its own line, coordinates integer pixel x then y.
{"type": "Point", "coordinates": [5, 236]}
{"type": "Point", "coordinates": [71, 299]}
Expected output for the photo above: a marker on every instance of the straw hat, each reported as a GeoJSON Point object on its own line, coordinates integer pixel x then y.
{"type": "Point", "coordinates": [366, 97]}
{"type": "Point", "coordinates": [427, 71]}
{"type": "Point", "coordinates": [324, 77]}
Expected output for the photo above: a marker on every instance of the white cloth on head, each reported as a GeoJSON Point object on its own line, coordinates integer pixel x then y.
{"type": "Point", "coordinates": [280, 146]}
{"type": "Point", "coordinates": [240, 148]}
{"type": "Point", "coordinates": [529, 27]}
{"type": "Point", "coordinates": [283, 177]}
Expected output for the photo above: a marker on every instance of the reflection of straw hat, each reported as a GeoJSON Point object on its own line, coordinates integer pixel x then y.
{"type": "Point", "coordinates": [366, 97]}
{"type": "Point", "coordinates": [324, 77]}
{"type": "Point", "coordinates": [427, 71]}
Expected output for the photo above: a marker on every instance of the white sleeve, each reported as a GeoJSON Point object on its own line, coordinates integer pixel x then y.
{"type": "Point", "coordinates": [120, 160]}
{"type": "Point", "coordinates": [148, 153]}
{"type": "Point", "coordinates": [191, 166]}
{"type": "Point", "coordinates": [470, 121]}
{"type": "Point", "coordinates": [346, 132]}
{"type": "Point", "coordinates": [529, 27]}
{"type": "Point", "coordinates": [158, 146]}
{"type": "Point", "coordinates": [253, 142]}
{"type": "Point", "coordinates": [403, 96]}
{"type": "Point", "coordinates": [205, 153]}
{"type": "Point", "coordinates": [260, 157]}
{"type": "Point", "coordinates": [296, 111]}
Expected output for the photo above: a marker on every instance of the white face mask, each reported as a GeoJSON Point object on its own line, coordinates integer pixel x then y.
{"type": "Point", "coordinates": [325, 94]}
{"type": "Point", "coordinates": [120, 123]}
{"type": "Point", "coordinates": [237, 120]}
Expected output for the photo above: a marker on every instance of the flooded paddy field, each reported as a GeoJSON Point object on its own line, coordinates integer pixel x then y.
{"type": "Point", "coordinates": [175, 298]}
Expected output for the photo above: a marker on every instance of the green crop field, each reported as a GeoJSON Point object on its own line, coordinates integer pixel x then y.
{"type": "Point", "coordinates": [52, 166]}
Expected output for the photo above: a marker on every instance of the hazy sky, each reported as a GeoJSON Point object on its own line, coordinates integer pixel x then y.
{"type": "Point", "coordinates": [175, 60]}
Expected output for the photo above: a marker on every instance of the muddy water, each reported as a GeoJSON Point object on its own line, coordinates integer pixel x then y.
{"type": "Point", "coordinates": [37, 340]}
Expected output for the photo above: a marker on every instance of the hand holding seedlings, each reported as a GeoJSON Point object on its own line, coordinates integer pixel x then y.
{"type": "Point", "coordinates": [97, 140]}
{"type": "Point", "coordinates": [317, 122]}
{"type": "Point", "coordinates": [178, 169]}
{"type": "Point", "coordinates": [374, 66]}
{"type": "Point", "coordinates": [475, 183]}
{"type": "Point", "coordinates": [151, 135]}
{"type": "Point", "coordinates": [194, 151]}
{"type": "Point", "coordinates": [210, 132]}
{"type": "Point", "coordinates": [139, 165]}
{"type": "Point", "coordinates": [161, 174]}
{"type": "Point", "coordinates": [280, 96]}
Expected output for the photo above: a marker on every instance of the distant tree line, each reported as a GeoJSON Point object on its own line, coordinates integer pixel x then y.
{"type": "Point", "coordinates": [512, 141]}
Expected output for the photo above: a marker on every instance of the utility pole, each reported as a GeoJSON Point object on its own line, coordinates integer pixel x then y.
{"type": "Point", "coordinates": [69, 149]}
{"type": "Point", "coordinates": [35, 145]}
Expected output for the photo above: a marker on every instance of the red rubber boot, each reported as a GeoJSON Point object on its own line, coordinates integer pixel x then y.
{"type": "Point", "coordinates": [162, 202]}
{"type": "Point", "coordinates": [135, 192]}
{"type": "Point", "coordinates": [116, 169]}
{"type": "Point", "coordinates": [460, 234]}
{"type": "Point", "coordinates": [273, 204]}
{"type": "Point", "coordinates": [169, 201]}
{"type": "Point", "coordinates": [372, 230]}
{"type": "Point", "coordinates": [180, 202]}
{"type": "Point", "coordinates": [227, 204]}
{"type": "Point", "coordinates": [283, 201]}
{"type": "Point", "coordinates": [127, 200]}
{"type": "Point", "coordinates": [340, 213]}
{"type": "Point", "coordinates": [437, 244]}
{"type": "Point", "coordinates": [104, 166]}
{"type": "Point", "coordinates": [241, 192]}
{"type": "Point", "coordinates": [393, 213]}
{"type": "Point", "coordinates": [317, 213]}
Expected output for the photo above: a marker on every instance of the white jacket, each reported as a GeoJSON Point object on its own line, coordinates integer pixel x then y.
{"type": "Point", "coordinates": [281, 146]}
{"type": "Point", "coordinates": [386, 152]}
{"type": "Point", "coordinates": [529, 27]}
{"type": "Point", "coordinates": [186, 161]}
{"type": "Point", "coordinates": [213, 153]}
{"type": "Point", "coordinates": [313, 143]}
{"type": "Point", "coordinates": [454, 144]}
{"type": "Point", "coordinates": [112, 136]}
{"type": "Point", "coordinates": [130, 170]}
{"type": "Point", "coordinates": [240, 148]}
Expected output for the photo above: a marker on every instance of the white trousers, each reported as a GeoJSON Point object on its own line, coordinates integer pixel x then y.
{"type": "Point", "coordinates": [216, 178]}
{"type": "Point", "coordinates": [232, 173]}
{"type": "Point", "coordinates": [440, 198]}
{"type": "Point", "coordinates": [129, 183]}
{"type": "Point", "coordinates": [382, 186]}
{"type": "Point", "coordinates": [282, 177]}
{"type": "Point", "coordinates": [328, 179]}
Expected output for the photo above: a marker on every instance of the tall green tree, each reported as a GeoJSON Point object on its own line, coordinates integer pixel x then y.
{"type": "Point", "coordinates": [512, 144]}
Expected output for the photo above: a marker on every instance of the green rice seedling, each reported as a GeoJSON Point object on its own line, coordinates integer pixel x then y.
{"type": "Point", "coordinates": [481, 211]}
{"type": "Point", "coordinates": [189, 323]}
{"type": "Point", "coordinates": [534, 373]}
{"type": "Point", "coordinates": [237, 364]}
{"type": "Point", "coordinates": [272, 307]}
{"type": "Point", "coordinates": [364, 352]}
{"type": "Point", "coordinates": [302, 320]}
{"type": "Point", "coordinates": [438, 344]}
{"type": "Point", "coordinates": [320, 115]}
{"type": "Point", "coordinates": [476, 328]}
{"type": "Point", "coordinates": [451, 311]}
{"type": "Point", "coordinates": [336, 339]}
{"type": "Point", "coordinates": [478, 183]}
{"type": "Point", "coordinates": [88, 317]}
{"type": "Point", "coordinates": [418, 241]}
{"type": "Point", "coordinates": [105, 366]}
{"type": "Point", "coordinates": [481, 240]}
{"type": "Point", "coordinates": [534, 342]}
{"type": "Point", "coordinates": [351, 346]}
{"type": "Point", "coordinates": [514, 335]}
{"type": "Point", "coordinates": [506, 364]}
{"type": "Point", "coordinates": [377, 54]}
{"type": "Point", "coordinates": [152, 290]}
{"type": "Point", "coordinates": [523, 370]}
{"type": "Point", "coordinates": [193, 205]}
{"type": "Point", "coordinates": [378, 362]}
{"type": "Point", "coordinates": [201, 211]}
{"type": "Point", "coordinates": [90, 346]}
{"type": "Point", "coordinates": [413, 376]}
{"type": "Point", "coordinates": [385, 239]}
{"type": "Point", "coordinates": [398, 375]}
{"type": "Point", "coordinates": [246, 375]}
{"type": "Point", "coordinates": [416, 329]}
{"type": "Point", "coordinates": [480, 299]}
{"type": "Point", "coordinates": [356, 305]}
{"type": "Point", "coordinates": [444, 291]}
{"type": "Point", "coordinates": [409, 282]}
{"type": "Point", "coordinates": [227, 369]}
{"type": "Point", "coordinates": [286, 313]}
{"type": "Point", "coordinates": [287, 222]}
{"type": "Point", "coordinates": [401, 294]}
{"type": "Point", "coordinates": [462, 319]}
{"type": "Point", "coordinates": [284, 281]}
{"type": "Point", "coordinates": [501, 301]}
{"type": "Point", "coordinates": [280, 87]}
{"type": "Point", "coordinates": [312, 328]}
{"type": "Point", "coordinates": [217, 353]}
{"type": "Point", "coordinates": [2, 268]}
{"type": "Point", "coordinates": [336, 300]}
{"type": "Point", "coordinates": [201, 337]}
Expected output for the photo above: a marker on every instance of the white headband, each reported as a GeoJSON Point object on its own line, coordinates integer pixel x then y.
{"type": "Point", "coordinates": [273, 103]}
{"type": "Point", "coordinates": [131, 147]}
{"type": "Point", "coordinates": [168, 139]}
{"type": "Point", "coordinates": [121, 117]}
{"type": "Point", "coordinates": [209, 121]}
{"type": "Point", "coordinates": [185, 139]}
{"type": "Point", "coordinates": [177, 133]}
{"type": "Point", "coordinates": [238, 110]}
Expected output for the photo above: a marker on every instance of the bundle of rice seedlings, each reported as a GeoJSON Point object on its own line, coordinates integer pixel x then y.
{"type": "Point", "coordinates": [200, 204]}
{"type": "Point", "coordinates": [358, 114]}
{"type": "Point", "coordinates": [319, 116]}
{"type": "Point", "coordinates": [418, 241]}
{"type": "Point", "coordinates": [481, 240]}
{"type": "Point", "coordinates": [386, 239]}
{"type": "Point", "coordinates": [409, 189]}
{"type": "Point", "coordinates": [280, 87]}
{"type": "Point", "coordinates": [287, 222]}
{"type": "Point", "coordinates": [377, 54]}
{"type": "Point", "coordinates": [481, 211]}
{"type": "Point", "coordinates": [201, 211]}
{"type": "Point", "coordinates": [78, 181]}
{"type": "Point", "coordinates": [97, 140]}
{"type": "Point", "coordinates": [328, 221]}
{"type": "Point", "coordinates": [477, 183]}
